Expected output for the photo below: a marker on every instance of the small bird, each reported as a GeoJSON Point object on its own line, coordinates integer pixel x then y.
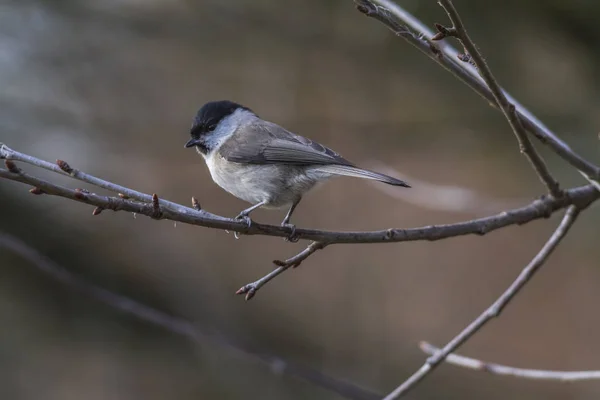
{"type": "Point", "coordinates": [261, 162]}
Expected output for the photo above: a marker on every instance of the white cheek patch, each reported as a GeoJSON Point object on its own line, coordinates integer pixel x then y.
{"type": "Point", "coordinates": [226, 128]}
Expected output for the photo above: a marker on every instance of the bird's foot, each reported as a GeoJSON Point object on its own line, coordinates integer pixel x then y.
{"type": "Point", "coordinates": [292, 238]}
{"type": "Point", "coordinates": [242, 217]}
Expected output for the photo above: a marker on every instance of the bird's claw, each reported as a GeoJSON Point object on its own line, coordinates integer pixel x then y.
{"type": "Point", "coordinates": [292, 238]}
{"type": "Point", "coordinates": [245, 218]}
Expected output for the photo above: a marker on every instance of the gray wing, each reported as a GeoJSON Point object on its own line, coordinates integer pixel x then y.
{"type": "Point", "coordinates": [268, 143]}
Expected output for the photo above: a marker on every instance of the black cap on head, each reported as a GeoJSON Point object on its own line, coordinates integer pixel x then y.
{"type": "Point", "coordinates": [208, 117]}
{"type": "Point", "coordinates": [213, 112]}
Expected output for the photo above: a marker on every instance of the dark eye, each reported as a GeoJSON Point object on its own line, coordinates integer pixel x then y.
{"type": "Point", "coordinates": [211, 127]}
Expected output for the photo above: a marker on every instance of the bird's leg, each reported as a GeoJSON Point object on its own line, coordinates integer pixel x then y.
{"type": "Point", "coordinates": [286, 220]}
{"type": "Point", "coordinates": [244, 214]}
{"type": "Point", "coordinates": [292, 237]}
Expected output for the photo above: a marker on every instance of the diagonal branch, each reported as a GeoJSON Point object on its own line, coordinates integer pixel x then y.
{"type": "Point", "coordinates": [492, 311]}
{"type": "Point", "coordinates": [505, 370]}
{"type": "Point", "coordinates": [400, 22]}
{"type": "Point", "coordinates": [250, 289]}
{"type": "Point", "coordinates": [180, 325]}
{"type": "Point", "coordinates": [508, 109]}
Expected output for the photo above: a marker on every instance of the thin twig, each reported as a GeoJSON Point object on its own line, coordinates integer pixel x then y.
{"type": "Point", "coordinates": [492, 311]}
{"type": "Point", "coordinates": [400, 22]}
{"type": "Point", "coordinates": [250, 289]}
{"type": "Point", "coordinates": [499, 369]}
{"type": "Point", "coordinates": [181, 326]}
{"type": "Point", "coordinates": [459, 31]}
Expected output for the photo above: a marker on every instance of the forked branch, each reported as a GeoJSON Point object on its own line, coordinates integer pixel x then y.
{"type": "Point", "coordinates": [493, 310]}
{"type": "Point", "coordinates": [508, 109]}
{"type": "Point", "coordinates": [409, 28]}
{"type": "Point", "coordinates": [474, 71]}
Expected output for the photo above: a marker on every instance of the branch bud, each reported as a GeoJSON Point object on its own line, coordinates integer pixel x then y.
{"type": "Point", "coordinates": [64, 166]}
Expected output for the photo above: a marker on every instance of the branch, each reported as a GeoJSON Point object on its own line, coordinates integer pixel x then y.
{"type": "Point", "coordinates": [498, 369]}
{"type": "Point", "coordinates": [63, 168]}
{"type": "Point", "coordinates": [399, 21]}
{"type": "Point", "coordinates": [179, 325]}
{"type": "Point", "coordinates": [594, 183]}
{"type": "Point", "coordinates": [250, 289]}
{"type": "Point", "coordinates": [150, 205]}
{"type": "Point", "coordinates": [543, 207]}
{"type": "Point", "coordinates": [508, 109]}
{"type": "Point", "coordinates": [492, 311]}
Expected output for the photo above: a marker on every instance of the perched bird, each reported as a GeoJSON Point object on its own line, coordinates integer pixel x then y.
{"type": "Point", "coordinates": [261, 162]}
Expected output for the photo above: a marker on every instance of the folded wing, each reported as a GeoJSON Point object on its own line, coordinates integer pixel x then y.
{"type": "Point", "coordinates": [268, 143]}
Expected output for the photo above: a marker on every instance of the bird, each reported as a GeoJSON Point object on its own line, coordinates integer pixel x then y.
{"type": "Point", "coordinates": [263, 163]}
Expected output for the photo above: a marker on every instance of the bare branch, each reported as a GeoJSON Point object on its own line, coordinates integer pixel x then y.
{"type": "Point", "coordinates": [250, 289]}
{"type": "Point", "coordinates": [162, 209]}
{"type": "Point", "coordinates": [459, 31]}
{"type": "Point", "coordinates": [63, 168]}
{"type": "Point", "coordinates": [543, 207]}
{"type": "Point", "coordinates": [492, 311]}
{"type": "Point", "coordinates": [540, 208]}
{"type": "Point", "coordinates": [520, 119]}
{"type": "Point", "coordinates": [594, 183]}
{"type": "Point", "coordinates": [498, 369]}
{"type": "Point", "coordinates": [103, 202]}
{"type": "Point", "coordinates": [399, 20]}
{"type": "Point", "coordinates": [181, 326]}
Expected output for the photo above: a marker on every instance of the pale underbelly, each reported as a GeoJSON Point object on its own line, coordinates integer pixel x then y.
{"type": "Point", "coordinates": [279, 186]}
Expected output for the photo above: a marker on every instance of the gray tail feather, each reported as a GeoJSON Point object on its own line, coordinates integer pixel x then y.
{"type": "Point", "coordinates": [347, 170]}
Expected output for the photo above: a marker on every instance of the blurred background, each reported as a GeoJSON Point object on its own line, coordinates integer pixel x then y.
{"type": "Point", "coordinates": [112, 86]}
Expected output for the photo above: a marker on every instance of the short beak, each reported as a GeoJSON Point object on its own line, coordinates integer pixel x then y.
{"type": "Point", "coordinates": [192, 142]}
